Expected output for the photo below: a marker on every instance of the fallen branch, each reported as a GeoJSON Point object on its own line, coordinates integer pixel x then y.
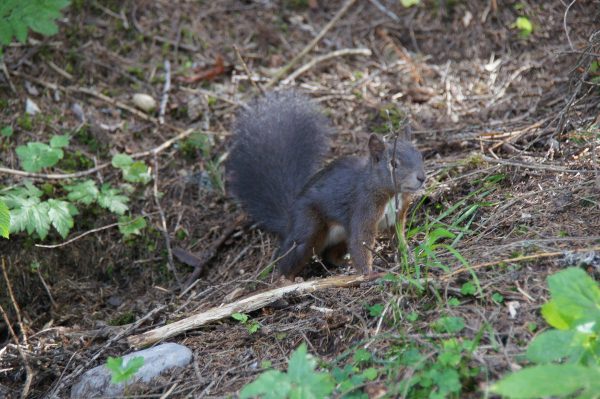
{"type": "Point", "coordinates": [245, 305]}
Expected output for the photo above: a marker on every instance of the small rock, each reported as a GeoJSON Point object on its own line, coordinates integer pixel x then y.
{"type": "Point", "coordinates": [144, 102]}
{"type": "Point", "coordinates": [31, 89]}
{"type": "Point", "coordinates": [78, 111]}
{"type": "Point", "coordinates": [95, 383]}
{"type": "Point", "coordinates": [30, 107]}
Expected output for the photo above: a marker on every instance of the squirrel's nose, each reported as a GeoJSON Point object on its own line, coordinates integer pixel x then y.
{"type": "Point", "coordinates": [421, 177]}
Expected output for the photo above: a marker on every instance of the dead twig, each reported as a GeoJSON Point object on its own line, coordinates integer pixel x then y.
{"type": "Point", "coordinates": [310, 45]}
{"type": "Point", "coordinates": [62, 244]}
{"type": "Point", "coordinates": [334, 54]}
{"type": "Point", "coordinates": [63, 382]}
{"type": "Point", "coordinates": [246, 305]}
{"type": "Point", "coordinates": [165, 95]}
{"type": "Point", "coordinates": [28, 369]}
{"type": "Point", "coordinates": [515, 260]}
{"type": "Point", "coordinates": [536, 166]}
{"type": "Point", "coordinates": [163, 223]}
{"type": "Point", "coordinates": [247, 70]}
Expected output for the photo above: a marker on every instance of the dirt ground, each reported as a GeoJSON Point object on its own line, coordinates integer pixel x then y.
{"type": "Point", "coordinates": [508, 125]}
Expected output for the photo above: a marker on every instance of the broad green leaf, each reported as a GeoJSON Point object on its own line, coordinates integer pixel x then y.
{"type": "Point", "coordinates": [123, 372]}
{"type": "Point", "coordinates": [545, 381]}
{"type": "Point", "coordinates": [241, 317]}
{"type": "Point", "coordinates": [308, 383]}
{"type": "Point", "coordinates": [30, 215]}
{"type": "Point", "coordinates": [6, 131]}
{"type": "Point", "coordinates": [575, 295]}
{"type": "Point", "coordinates": [524, 25]}
{"type": "Point", "coordinates": [60, 216]}
{"type": "Point", "coordinates": [137, 172]}
{"type": "Point", "coordinates": [409, 3]}
{"type": "Point", "coordinates": [112, 199]}
{"type": "Point", "coordinates": [85, 192]}
{"type": "Point", "coordinates": [449, 324]}
{"type": "Point", "coordinates": [370, 374]}
{"type": "Point", "coordinates": [60, 141]}
{"type": "Point", "coordinates": [361, 356]}
{"type": "Point", "coordinates": [4, 220]}
{"type": "Point", "coordinates": [550, 346]}
{"type": "Point", "coordinates": [121, 161]}
{"type": "Point", "coordinates": [554, 317]}
{"type": "Point", "coordinates": [129, 226]}
{"type": "Point", "coordinates": [35, 156]}
{"type": "Point", "coordinates": [271, 384]}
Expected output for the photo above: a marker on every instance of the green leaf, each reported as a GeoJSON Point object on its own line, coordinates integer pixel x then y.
{"type": "Point", "coordinates": [554, 317]}
{"type": "Point", "coordinates": [308, 383]}
{"type": "Point", "coordinates": [524, 25]}
{"type": "Point", "coordinates": [376, 310]}
{"type": "Point", "coordinates": [551, 346]}
{"type": "Point", "coordinates": [362, 356]}
{"type": "Point", "coordinates": [271, 384]}
{"type": "Point", "coordinates": [121, 161]}
{"type": "Point", "coordinates": [370, 374]}
{"type": "Point", "coordinates": [35, 156]}
{"type": "Point", "coordinates": [123, 372]}
{"type": "Point", "coordinates": [30, 215]}
{"type": "Point", "coordinates": [137, 172]}
{"type": "Point", "coordinates": [85, 192]}
{"type": "Point", "coordinates": [112, 199]}
{"type": "Point", "coordinates": [4, 220]}
{"type": "Point", "coordinates": [497, 297]}
{"type": "Point", "coordinates": [241, 317]}
{"type": "Point", "coordinates": [576, 295]}
{"type": "Point", "coordinates": [60, 216]}
{"type": "Point", "coordinates": [60, 141]}
{"type": "Point", "coordinates": [546, 380]}
{"type": "Point", "coordinates": [409, 3]}
{"type": "Point", "coordinates": [6, 131]}
{"type": "Point", "coordinates": [129, 226]}
{"type": "Point", "coordinates": [449, 324]}
{"type": "Point", "coordinates": [468, 288]}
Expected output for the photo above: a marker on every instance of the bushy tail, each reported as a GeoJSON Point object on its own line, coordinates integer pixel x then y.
{"type": "Point", "coordinates": [279, 143]}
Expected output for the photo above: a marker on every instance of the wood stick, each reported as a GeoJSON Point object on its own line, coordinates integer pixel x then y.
{"type": "Point", "coordinates": [245, 305]}
{"type": "Point", "coordinates": [310, 45]}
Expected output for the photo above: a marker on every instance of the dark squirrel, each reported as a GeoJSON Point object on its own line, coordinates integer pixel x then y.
{"type": "Point", "coordinates": [276, 169]}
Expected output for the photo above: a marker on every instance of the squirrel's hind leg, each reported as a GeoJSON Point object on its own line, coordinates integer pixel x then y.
{"type": "Point", "coordinates": [297, 249]}
{"type": "Point", "coordinates": [334, 254]}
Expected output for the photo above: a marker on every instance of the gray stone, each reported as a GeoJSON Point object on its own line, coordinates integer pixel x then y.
{"type": "Point", "coordinates": [96, 382]}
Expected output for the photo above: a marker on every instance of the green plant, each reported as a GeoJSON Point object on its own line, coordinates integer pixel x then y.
{"type": "Point", "coordinates": [121, 372]}
{"type": "Point", "coordinates": [129, 226]}
{"type": "Point", "coordinates": [7, 131]}
{"type": "Point", "coordinates": [212, 166]}
{"type": "Point", "coordinates": [251, 325]}
{"type": "Point", "coordinates": [300, 381]}
{"type": "Point", "coordinates": [524, 25]}
{"type": "Point", "coordinates": [409, 3]}
{"type": "Point", "coordinates": [4, 220]}
{"type": "Point", "coordinates": [17, 16]}
{"type": "Point", "coordinates": [133, 171]}
{"type": "Point", "coordinates": [567, 357]}
{"type": "Point", "coordinates": [35, 155]}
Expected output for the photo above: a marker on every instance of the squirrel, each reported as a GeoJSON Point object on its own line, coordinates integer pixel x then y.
{"type": "Point", "coordinates": [276, 170]}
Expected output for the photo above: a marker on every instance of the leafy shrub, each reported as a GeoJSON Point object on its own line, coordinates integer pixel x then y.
{"type": "Point", "coordinates": [18, 16]}
{"type": "Point", "coordinates": [300, 381]}
{"type": "Point", "coordinates": [123, 372]}
{"type": "Point", "coordinates": [567, 358]}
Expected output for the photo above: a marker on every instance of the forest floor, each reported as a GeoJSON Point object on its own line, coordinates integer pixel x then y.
{"type": "Point", "coordinates": [508, 124]}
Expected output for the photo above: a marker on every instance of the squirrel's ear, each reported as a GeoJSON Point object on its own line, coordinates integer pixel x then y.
{"type": "Point", "coordinates": [376, 147]}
